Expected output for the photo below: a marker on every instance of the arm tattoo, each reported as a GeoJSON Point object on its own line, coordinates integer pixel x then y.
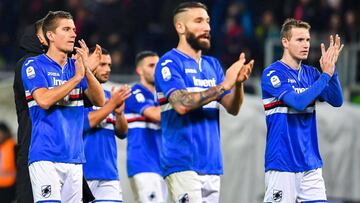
{"type": "Point", "coordinates": [194, 100]}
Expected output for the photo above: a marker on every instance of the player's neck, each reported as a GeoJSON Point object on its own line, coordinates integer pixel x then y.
{"type": "Point", "coordinates": [291, 62]}
{"type": "Point", "coordinates": [58, 56]}
{"type": "Point", "coordinates": [188, 50]}
{"type": "Point", "coordinates": [147, 85]}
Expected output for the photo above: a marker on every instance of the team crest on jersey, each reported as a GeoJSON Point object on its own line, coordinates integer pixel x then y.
{"type": "Point", "coordinates": [184, 198]}
{"type": "Point", "coordinates": [277, 195]}
{"type": "Point", "coordinates": [166, 74]}
{"type": "Point", "coordinates": [46, 191]}
{"type": "Point", "coordinates": [275, 81]}
{"type": "Point", "coordinates": [30, 72]}
{"type": "Point", "coordinates": [140, 98]}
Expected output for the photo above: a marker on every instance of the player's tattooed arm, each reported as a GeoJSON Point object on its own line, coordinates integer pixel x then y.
{"type": "Point", "coordinates": [184, 101]}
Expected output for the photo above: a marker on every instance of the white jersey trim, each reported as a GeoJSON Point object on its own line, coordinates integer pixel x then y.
{"type": "Point", "coordinates": [143, 124]}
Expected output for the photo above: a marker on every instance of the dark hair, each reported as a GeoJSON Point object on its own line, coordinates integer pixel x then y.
{"type": "Point", "coordinates": [292, 23]}
{"type": "Point", "coordinates": [103, 50]}
{"type": "Point", "coordinates": [143, 54]}
{"type": "Point", "coordinates": [186, 6]}
{"type": "Point", "coordinates": [5, 129]}
{"type": "Point", "coordinates": [50, 21]}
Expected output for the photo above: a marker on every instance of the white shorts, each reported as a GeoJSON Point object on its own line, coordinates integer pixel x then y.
{"type": "Point", "coordinates": [287, 187]}
{"type": "Point", "coordinates": [189, 187]}
{"type": "Point", "coordinates": [56, 182]}
{"type": "Point", "coordinates": [148, 188]}
{"type": "Point", "coordinates": [106, 190]}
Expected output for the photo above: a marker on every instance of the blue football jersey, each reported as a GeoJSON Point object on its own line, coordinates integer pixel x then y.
{"type": "Point", "coordinates": [144, 135]}
{"type": "Point", "coordinates": [57, 132]}
{"type": "Point", "coordinates": [190, 141]}
{"type": "Point", "coordinates": [100, 148]}
{"type": "Point", "coordinates": [292, 143]}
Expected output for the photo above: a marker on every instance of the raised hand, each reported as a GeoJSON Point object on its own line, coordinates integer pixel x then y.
{"type": "Point", "coordinates": [94, 58]}
{"type": "Point", "coordinates": [84, 50]}
{"type": "Point", "coordinates": [120, 95]}
{"type": "Point", "coordinates": [79, 66]}
{"type": "Point", "coordinates": [232, 72]}
{"type": "Point", "coordinates": [329, 57]}
{"type": "Point", "coordinates": [245, 72]}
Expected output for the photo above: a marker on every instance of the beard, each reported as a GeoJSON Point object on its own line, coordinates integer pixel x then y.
{"type": "Point", "coordinates": [196, 43]}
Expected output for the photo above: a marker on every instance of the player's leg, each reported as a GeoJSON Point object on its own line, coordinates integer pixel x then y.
{"type": "Point", "coordinates": [280, 187]}
{"type": "Point", "coordinates": [106, 190]}
{"type": "Point", "coordinates": [184, 186]}
{"type": "Point", "coordinates": [211, 188]}
{"type": "Point", "coordinates": [148, 188]}
{"type": "Point", "coordinates": [312, 187]}
{"type": "Point", "coordinates": [71, 191]}
{"type": "Point", "coordinates": [45, 181]}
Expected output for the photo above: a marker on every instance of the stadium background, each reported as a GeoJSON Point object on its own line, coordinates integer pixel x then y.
{"type": "Point", "coordinates": [127, 26]}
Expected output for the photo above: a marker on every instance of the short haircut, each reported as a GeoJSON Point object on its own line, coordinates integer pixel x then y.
{"type": "Point", "coordinates": [143, 54]}
{"type": "Point", "coordinates": [39, 24]}
{"type": "Point", "coordinates": [186, 6]}
{"type": "Point", "coordinates": [103, 50]}
{"type": "Point", "coordinates": [292, 23]}
{"type": "Point", "coordinates": [51, 21]}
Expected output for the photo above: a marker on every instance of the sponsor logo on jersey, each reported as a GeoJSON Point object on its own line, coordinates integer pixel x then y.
{"type": "Point", "coordinates": [204, 82]}
{"type": "Point", "coordinates": [190, 70]}
{"type": "Point", "coordinates": [46, 191]}
{"type": "Point", "coordinates": [299, 89]}
{"type": "Point", "coordinates": [270, 72]}
{"type": "Point", "coordinates": [28, 62]}
{"type": "Point", "coordinates": [166, 74]}
{"type": "Point", "coordinates": [53, 74]}
{"type": "Point", "coordinates": [275, 81]}
{"type": "Point", "coordinates": [140, 98]}
{"type": "Point", "coordinates": [291, 81]}
{"type": "Point", "coordinates": [136, 91]}
{"type": "Point", "coordinates": [30, 72]}
{"type": "Point", "coordinates": [166, 62]}
{"type": "Point", "coordinates": [58, 82]}
{"type": "Point", "coordinates": [277, 195]}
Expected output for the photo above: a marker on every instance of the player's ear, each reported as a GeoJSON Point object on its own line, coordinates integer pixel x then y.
{"type": "Point", "coordinates": [180, 27]}
{"type": "Point", "coordinates": [138, 71]}
{"type": "Point", "coordinates": [284, 42]}
{"type": "Point", "coordinates": [50, 35]}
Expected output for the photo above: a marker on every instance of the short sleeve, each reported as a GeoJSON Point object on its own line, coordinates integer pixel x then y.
{"type": "Point", "coordinates": [168, 77]}
{"type": "Point", "coordinates": [33, 76]}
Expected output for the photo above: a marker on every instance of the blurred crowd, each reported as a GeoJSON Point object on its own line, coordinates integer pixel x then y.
{"type": "Point", "coordinates": [127, 26]}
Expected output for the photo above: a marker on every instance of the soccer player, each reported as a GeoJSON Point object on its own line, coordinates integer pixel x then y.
{"type": "Point", "coordinates": [101, 127]}
{"type": "Point", "coordinates": [33, 43]}
{"type": "Point", "coordinates": [144, 137]}
{"type": "Point", "coordinates": [53, 86]}
{"type": "Point", "coordinates": [289, 91]}
{"type": "Point", "coordinates": [190, 87]}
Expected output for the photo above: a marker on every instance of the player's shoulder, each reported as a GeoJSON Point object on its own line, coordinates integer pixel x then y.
{"type": "Point", "coordinates": [169, 57]}
{"type": "Point", "coordinates": [308, 67]}
{"type": "Point", "coordinates": [136, 88]}
{"type": "Point", "coordinates": [274, 68]}
{"type": "Point", "coordinates": [209, 58]}
{"type": "Point", "coordinates": [33, 60]}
